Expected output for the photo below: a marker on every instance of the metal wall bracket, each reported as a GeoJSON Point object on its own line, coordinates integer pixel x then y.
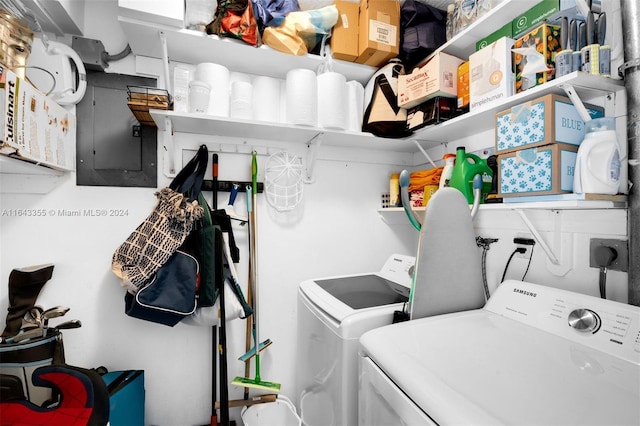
{"type": "Point", "coordinates": [312, 153]}
{"type": "Point", "coordinates": [168, 148]}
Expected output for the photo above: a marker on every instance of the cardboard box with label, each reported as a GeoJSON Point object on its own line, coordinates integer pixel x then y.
{"type": "Point", "coordinates": [436, 77]}
{"type": "Point", "coordinates": [344, 35]}
{"type": "Point", "coordinates": [379, 32]}
{"type": "Point", "coordinates": [544, 170]}
{"type": "Point", "coordinates": [548, 119]}
{"type": "Point", "coordinates": [490, 74]}
{"type": "Point", "coordinates": [34, 127]}
{"type": "Point", "coordinates": [463, 85]}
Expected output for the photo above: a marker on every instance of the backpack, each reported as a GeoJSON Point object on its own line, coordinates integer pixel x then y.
{"type": "Point", "coordinates": [382, 116]}
{"type": "Point", "coordinates": [422, 31]}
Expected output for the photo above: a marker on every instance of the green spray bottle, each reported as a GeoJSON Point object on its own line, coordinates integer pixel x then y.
{"type": "Point", "coordinates": [465, 168]}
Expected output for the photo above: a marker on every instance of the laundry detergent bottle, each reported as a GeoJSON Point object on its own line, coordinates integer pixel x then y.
{"type": "Point", "coordinates": [466, 167]}
{"type": "Point", "coordinates": [598, 163]}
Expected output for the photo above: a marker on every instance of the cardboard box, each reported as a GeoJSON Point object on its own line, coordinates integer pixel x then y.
{"type": "Point", "coordinates": [344, 36]}
{"type": "Point", "coordinates": [546, 41]}
{"type": "Point", "coordinates": [379, 32]}
{"type": "Point", "coordinates": [433, 111]}
{"type": "Point", "coordinates": [463, 85]}
{"type": "Point", "coordinates": [437, 77]}
{"type": "Point", "coordinates": [505, 31]}
{"type": "Point", "coordinates": [545, 120]}
{"type": "Point", "coordinates": [544, 170]}
{"type": "Point", "coordinates": [490, 74]}
{"type": "Point", "coordinates": [34, 127]}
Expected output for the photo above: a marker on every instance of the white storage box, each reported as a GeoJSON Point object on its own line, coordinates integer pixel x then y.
{"type": "Point", "coordinates": [490, 74]}
{"type": "Point", "coordinates": [34, 127]}
{"type": "Point", "coordinates": [437, 77]}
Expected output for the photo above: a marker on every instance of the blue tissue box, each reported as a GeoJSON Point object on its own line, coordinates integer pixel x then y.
{"type": "Point", "coordinates": [543, 121]}
{"type": "Point", "coordinates": [543, 170]}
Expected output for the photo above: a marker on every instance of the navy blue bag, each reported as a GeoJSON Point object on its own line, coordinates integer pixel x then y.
{"type": "Point", "coordinates": [170, 295]}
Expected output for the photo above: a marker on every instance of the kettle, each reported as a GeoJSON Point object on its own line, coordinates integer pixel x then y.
{"type": "Point", "coordinates": [56, 59]}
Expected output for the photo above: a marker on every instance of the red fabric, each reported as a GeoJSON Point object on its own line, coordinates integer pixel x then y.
{"type": "Point", "coordinates": [74, 409]}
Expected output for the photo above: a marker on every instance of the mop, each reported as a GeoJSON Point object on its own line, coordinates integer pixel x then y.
{"type": "Point", "coordinates": [257, 381]}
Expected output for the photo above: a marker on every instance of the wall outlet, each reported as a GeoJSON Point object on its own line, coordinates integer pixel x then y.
{"type": "Point", "coordinates": [528, 248]}
{"type": "Point", "coordinates": [620, 263]}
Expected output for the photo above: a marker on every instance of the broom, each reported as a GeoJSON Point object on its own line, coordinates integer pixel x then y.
{"type": "Point", "coordinates": [257, 381]}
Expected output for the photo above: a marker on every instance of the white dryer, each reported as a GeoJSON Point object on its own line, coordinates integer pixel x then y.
{"type": "Point", "coordinates": [333, 313]}
{"type": "Point", "coordinates": [534, 355]}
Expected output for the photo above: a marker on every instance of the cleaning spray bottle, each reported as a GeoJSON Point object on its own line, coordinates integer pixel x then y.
{"type": "Point", "coordinates": [464, 170]}
{"type": "Point", "coordinates": [447, 171]}
{"type": "Point", "coordinates": [598, 164]}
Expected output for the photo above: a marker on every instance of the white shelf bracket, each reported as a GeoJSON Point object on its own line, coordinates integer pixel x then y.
{"type": "Point", "coordinates": [168, 149]}
{"type": "Point", "coordinates": [545, 247]}
{"type": "Point", "coordinates": [577, 102]}
{"type": "Point", "coordinates": [415, 141]}
{"type": "Point", "coordinates": [312, 153]}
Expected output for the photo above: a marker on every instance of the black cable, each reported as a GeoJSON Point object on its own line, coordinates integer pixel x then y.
{"type": "Point", "coordinates": [517, 250]}
{"type": "Point", "coordinates": [528, 264]}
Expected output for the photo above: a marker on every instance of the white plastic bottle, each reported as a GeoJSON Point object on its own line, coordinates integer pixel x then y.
{"type": "Point", "coordinates": [598, 163]}
{"type": "Point", "coordinates": [447, 171]}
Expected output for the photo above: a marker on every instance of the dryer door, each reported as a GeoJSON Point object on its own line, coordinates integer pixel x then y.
{"type": "Point", "coordinates": [382, 403]}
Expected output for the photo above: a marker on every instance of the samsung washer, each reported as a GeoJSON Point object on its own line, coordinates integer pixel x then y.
{"type": "Point", "coordinates": [534, 355]}
{"type": "Point", "coordinates": [333, 313]}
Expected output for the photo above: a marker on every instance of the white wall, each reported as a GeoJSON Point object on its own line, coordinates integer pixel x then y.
{"type": "Point", "coordinates": [336, 230]}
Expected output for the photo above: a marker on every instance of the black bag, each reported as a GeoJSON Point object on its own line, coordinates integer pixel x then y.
{"type": "Point", "coordinates": [422, 31]}
{"type": "Point", "coordinates": [170, 296]}
{"type": "Point", "coordinates": [200, 243]}
{"type": "Point", "coordinates": [171, 293]}
{"type": "Point", "coordinates": [382, 116]}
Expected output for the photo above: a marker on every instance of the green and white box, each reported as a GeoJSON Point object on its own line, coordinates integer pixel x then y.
{"type": "Point", "coordinates": [490, 74]}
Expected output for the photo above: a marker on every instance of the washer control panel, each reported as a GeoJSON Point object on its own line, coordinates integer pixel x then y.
{"type": "Point", "coordinates": [399, 269]}
{"type": "Point", "coordinates": [601, 324]}
{"type": "Point", "coordinates": [584, 320]}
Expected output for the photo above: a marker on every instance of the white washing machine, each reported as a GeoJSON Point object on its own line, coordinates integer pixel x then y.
{"type": "Point", "coordinates": [333, 313]}
{"type": "Point", "coordinates": [533, 355]}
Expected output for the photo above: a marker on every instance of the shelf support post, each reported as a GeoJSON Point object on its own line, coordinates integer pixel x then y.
{"type": "Point", "coordinates": [168, 147]}
{"type": "Point", "coordinates": [312, 152]}
{"type": "Point", "coordinates": [165, 62]}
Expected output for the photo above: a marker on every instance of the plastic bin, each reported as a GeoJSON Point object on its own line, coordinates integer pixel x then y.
{"type": "Point", "coordinates": [281, 412]}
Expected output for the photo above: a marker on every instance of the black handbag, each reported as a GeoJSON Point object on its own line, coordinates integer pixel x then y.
{"type": "Point", "coordinates": [170, 296]}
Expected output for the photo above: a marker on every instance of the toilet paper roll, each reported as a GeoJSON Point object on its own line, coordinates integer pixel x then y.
{"type": "Point", "coordinates": [238, 76]}
{"type": "Point", "coordinates": [332, 101]}
{"type": "Point", "coordinates": [241, 100]}
{"type": "Point", "coordinates": [302, 97]}
{"type": "Point", "coordinates": [266, 99]}
{"type": "Point", "coordinates": [355, 91]}
{"type": "Point", "coordinates": [217, 76]}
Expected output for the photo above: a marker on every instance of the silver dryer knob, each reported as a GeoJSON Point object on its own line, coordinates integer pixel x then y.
{"type": "Point", "coordinates": [584, 320]}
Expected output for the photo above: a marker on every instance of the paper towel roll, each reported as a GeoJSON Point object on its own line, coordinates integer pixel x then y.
{"type": "Point", "coordinates": [217, 76]}
{"type": "Point", "coordinates": [241, 100]}
{"type": "Point", "coordinates": [266, 99]}
{"type": "Point", "coordinates": [332, 101]}
{"type": "Point", "coordinates": [356, 105]}
{"type": "Point", "coordinates": [302, 97]}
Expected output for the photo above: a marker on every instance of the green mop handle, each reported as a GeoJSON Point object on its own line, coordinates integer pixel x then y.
{"type": "Point", "coordinates": [254, 260]}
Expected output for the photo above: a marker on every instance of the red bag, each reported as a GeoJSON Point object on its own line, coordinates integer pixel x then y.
{"type": "Point", "coordinates": [235, 19]}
